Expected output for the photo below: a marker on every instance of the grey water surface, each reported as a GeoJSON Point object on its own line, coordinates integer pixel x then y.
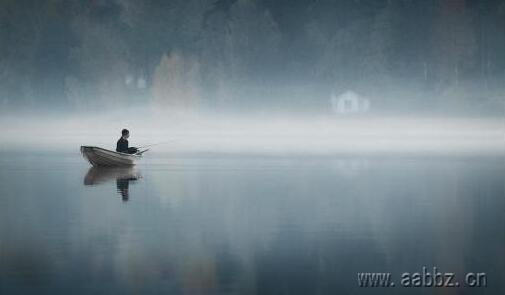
{"type": "Point", "coordinates": [218, 224]}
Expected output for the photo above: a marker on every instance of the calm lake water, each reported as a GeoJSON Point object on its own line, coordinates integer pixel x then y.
{"type": "Point", "coordinates": [201, 224]}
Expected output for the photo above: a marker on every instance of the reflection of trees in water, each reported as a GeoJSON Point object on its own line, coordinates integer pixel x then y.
{"type": "Point", "coordinates": [122, 175]}
{"type": "Point", "coordinates": [301, 231]}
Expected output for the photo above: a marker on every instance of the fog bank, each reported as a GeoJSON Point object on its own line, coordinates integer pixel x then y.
{"type": "Point", "coordinates": [205, 133]}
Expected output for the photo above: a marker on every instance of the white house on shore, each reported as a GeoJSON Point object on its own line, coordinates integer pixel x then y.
{"type": "Point", "coordinates": [349, 102]}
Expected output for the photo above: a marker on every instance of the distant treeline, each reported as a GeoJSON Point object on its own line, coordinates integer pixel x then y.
{"type": "Point", "coordinates": [256, 53]}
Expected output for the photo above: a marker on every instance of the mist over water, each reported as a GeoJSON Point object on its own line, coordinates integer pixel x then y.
{"type": "Point", "coordinates": [247, 76]}
{"type": "Point", "coordinates": [259, 134]}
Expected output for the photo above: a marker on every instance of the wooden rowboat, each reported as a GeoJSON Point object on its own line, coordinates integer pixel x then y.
{"type": "Point", "coordinates": [98, 156]}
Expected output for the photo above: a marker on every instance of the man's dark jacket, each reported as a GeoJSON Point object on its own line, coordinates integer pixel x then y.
{"type": "Point", "coordinates": [122, 145]}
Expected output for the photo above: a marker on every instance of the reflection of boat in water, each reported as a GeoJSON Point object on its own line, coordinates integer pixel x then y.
{"type": "Point", "coordinates": [102, 157]}
{"type": "Point", "coordinates": [123, 177]}
{"type": "Point", "coordinates": [98, 175]}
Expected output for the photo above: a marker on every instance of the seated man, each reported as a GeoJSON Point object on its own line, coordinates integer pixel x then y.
{"type": "Point", "coordinates": [122, 143]}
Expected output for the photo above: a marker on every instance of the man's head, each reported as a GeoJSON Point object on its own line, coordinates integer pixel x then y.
{"type": "Point", "coordinates": [125, 133]}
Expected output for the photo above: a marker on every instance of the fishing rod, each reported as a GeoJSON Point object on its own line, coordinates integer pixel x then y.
{"type": "Point", "coordinates": [145, 147]}
{"type": "Point", "coordinates": [155, 144]}
{"type": "Point", "coordinates": [141, 152]}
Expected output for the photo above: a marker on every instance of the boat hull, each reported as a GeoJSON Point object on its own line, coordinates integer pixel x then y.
{"type": "Point", "coordinates": [101, 157]}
